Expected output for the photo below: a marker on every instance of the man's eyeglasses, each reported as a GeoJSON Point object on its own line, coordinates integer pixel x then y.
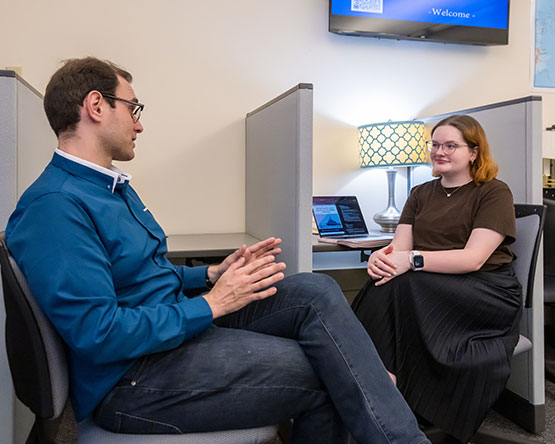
{"type": "Point", "coordinates": [448, 147]}
{"type": "Point", "coordinates": [136, 108]}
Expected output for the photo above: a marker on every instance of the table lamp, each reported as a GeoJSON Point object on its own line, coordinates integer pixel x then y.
{"type": "Point", "coordinates": [389, 145]}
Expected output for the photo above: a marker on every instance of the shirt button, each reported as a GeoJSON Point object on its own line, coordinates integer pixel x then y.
{"type": "Point", "coordinates": [108, 186]}
{"type": "Point", "coordinates": [133, 383]}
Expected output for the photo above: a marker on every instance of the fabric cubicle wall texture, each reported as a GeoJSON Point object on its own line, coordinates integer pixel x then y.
{"type": "Point", "coordinates": [279, 175]}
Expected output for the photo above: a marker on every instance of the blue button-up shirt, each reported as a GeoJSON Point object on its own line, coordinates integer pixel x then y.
{"type": "Point", "coordinates": [95, 260]}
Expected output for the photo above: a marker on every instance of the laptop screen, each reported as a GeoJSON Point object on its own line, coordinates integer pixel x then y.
{"type": "Point", "coordinates": [338, 216]}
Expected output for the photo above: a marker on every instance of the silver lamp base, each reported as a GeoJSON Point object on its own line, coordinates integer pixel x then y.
{"type": "Point", "coordinates": [388, 219]}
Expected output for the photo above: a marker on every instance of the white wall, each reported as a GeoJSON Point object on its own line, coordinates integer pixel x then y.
{"type": "Point", "coordinates": [201, 66]}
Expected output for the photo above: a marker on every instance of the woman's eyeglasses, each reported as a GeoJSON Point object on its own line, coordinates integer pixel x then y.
{"type": "Point", "coordinates": [448, 147]}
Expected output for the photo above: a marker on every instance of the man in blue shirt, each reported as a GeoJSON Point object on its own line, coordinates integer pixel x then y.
{"type": "Point", "coordinates": [156, 348]}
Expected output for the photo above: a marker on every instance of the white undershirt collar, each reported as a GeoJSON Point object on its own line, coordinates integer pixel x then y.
{"type": "Point", "coordinates": [115, 173]}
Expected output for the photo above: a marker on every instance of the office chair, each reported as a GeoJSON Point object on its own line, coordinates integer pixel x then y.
{"type": "Point", "coordinates": [529, 226]}
{"type": "Point", "coordinates": [38, 366]}
{"type": "Point", "coordinates": [549, 282]}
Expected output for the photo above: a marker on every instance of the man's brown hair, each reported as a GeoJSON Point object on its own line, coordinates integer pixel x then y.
{"type": "Point", "coordinates": [69, 86]}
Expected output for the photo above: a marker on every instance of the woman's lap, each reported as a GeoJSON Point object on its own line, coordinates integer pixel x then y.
{"type": "Point", "coordinates": [444, 336]}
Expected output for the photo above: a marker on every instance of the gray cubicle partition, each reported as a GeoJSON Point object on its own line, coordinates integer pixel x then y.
{"type": "Point", "coordinates": [26, 145]}
{"type": "Point", "coordinates": [279, 175]}
{"type": "Point", "coordinates": [513, 129]}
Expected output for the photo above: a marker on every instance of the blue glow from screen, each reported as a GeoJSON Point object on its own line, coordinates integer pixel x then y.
{"type": "Point", "coordinates": [480, 13]}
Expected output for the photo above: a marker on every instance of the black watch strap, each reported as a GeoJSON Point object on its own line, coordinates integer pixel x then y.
{"type": "Point", "coordinates": [207, 281]}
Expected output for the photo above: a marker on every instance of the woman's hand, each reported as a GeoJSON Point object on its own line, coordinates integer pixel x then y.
{"type": "Point", "coordinates": [387, 263]}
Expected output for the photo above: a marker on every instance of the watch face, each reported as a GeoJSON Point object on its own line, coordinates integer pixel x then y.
{"type": "Point", "coordinates": [418, 261]}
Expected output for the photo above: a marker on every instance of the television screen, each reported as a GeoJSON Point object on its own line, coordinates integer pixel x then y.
{"type": "Point", "coordinates": [477, 22]}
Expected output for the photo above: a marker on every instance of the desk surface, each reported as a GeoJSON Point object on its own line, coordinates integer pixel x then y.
{"type": "Point", "coordinates": [206, 245]}
{"type": "Point", "coordinates": [221, 244]}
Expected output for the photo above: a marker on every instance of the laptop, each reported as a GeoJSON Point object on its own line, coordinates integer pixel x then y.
{"type": "Point", "coordinates": [340, 217]}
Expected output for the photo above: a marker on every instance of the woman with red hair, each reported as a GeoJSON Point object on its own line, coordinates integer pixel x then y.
{"type": "Point", "coordinates": [443, 303]}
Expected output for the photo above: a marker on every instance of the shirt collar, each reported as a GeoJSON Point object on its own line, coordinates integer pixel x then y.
{"type": "Point", "coordinates": [115, 173]}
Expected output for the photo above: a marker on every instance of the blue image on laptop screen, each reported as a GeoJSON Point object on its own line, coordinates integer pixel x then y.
{"type": "Point", "coordinates": [480, 13]}
{"type": "Point", "coordinates": [338, 216]}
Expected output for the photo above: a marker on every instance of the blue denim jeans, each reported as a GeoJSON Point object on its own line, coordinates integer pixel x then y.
{"type": "Point", "coordinates": [300, 354]}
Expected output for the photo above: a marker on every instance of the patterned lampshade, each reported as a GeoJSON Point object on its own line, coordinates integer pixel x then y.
{"type": "Point", "coordinates": [392, 144]}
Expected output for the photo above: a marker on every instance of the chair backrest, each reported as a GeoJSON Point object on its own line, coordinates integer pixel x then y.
{"type": "Point", "coordinates": [549, 247]}
{"type": "Point", "coordinates": [529, 227]}
{"type": "Point", "coordinates": [549, 238]}
{"type": "Point", "coordinates": [35, 351]}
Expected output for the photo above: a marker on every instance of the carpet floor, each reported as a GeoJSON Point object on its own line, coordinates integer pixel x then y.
{"type": "Point", "coordinates": [497, 422]}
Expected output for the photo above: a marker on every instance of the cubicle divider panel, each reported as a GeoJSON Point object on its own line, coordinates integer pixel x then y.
{"type": "Point", "coordinates": [8, 193]}
{"type": "Point", "coordinates": [513, 129]}
{"type": "Point", "coordinates": [26, 145]}
{"type": "Point", "coordinates": [279, 175]}
{"type": "Point", "coordinates": [8, 138]}
{"type": "Point", "coordinates": [35, 139]}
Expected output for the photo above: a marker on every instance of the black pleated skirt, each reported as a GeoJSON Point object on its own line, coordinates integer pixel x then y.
{"type": "Point", "coordinates": [448, 338]}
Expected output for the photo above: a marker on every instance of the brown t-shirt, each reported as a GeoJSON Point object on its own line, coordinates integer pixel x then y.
{"type": "Point", "coordinates": [445, 223]}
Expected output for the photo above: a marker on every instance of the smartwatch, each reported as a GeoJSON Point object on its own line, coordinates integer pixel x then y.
{"type": "Point", "coordinates": [416, 260]}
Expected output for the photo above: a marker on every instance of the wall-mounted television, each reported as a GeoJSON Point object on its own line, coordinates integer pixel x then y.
{"type": "Point", "coordinates": [475, 22]}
